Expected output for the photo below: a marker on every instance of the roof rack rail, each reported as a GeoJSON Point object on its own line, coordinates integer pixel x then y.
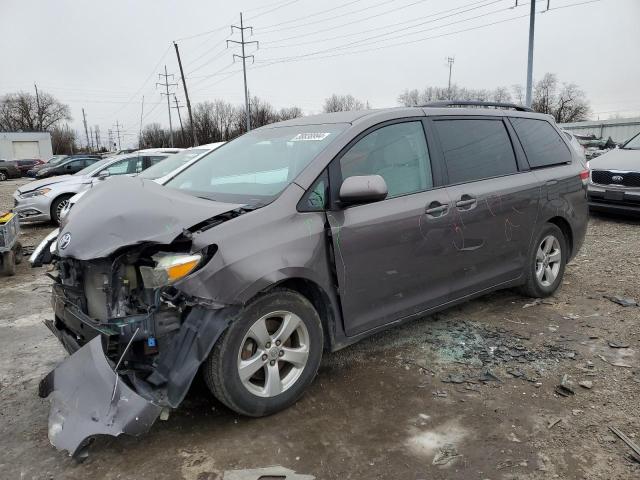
{"type": "Point", "coordinates": [475, 103]}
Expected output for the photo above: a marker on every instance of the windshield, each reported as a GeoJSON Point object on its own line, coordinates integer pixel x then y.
{"type": "Point", "coordinates": [633, 144]}
{"type": "Point", "coordinates": [55, 161]}
{"type": "Point", "coordinates": [171, 163]}
{"type": "Point", "coordinates": [254, 168]}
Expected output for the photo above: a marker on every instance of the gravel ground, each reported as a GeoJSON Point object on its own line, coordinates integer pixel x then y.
{"type": "Point", "coordinates": [467, 393]}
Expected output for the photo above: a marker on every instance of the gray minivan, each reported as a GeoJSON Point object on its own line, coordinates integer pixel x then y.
{"type": "Point", "coordinates": [297, 238]}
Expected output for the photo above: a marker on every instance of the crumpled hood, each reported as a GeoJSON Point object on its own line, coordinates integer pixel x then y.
{"type": "Point", "coordinates": [127, 211]}
{"type": "Point", "coordinates": [617, 159]}
{"type": "Point", "coordinates": [72, 179]}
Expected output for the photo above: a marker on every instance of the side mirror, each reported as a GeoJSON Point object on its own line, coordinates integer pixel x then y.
{"type": "Point", "coordinates": [103, 174]}
{"type": "Point", "coordinates": [363, 189]}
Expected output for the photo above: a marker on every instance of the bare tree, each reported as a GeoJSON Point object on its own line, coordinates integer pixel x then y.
{"type": "Point", "coordinates": [565, 102]}
{"type": "Point", "coordinates": [154, 136]}
{"type": "Point", "coordinates": [342, 103]}
{"type": "Point", "coordinates": [22, 112]}
{"type": "Point", "coordinates": [289, 113]}
{"type": "Point", "coordinates": [63, 140]}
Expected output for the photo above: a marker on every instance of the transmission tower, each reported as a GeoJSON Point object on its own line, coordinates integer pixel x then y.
{"type": "Point", "coordinates": [244, 57]}
{"type": "Point", "coordinates": [166, 85]}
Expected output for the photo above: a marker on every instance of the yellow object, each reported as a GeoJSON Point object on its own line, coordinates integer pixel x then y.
{"type": "Point", "coordinates": [178, 266]}
{"type": "Point", "coordinates": [6, 217]}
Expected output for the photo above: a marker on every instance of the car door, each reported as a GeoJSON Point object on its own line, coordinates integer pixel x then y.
{"type": "Point", "coordinates": [390, 255]}
{"type": "Point", "coordinates": [494, 201]}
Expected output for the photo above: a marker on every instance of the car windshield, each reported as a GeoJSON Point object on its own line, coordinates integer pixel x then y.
{"type": "Point", "coordinates": [254, 168]}
{"type": "Point", "coordinates": [633, 144]}
{"type": "Point", "coordinates": [172, 162]}
{"type": "Point", "coordinates": [55, 161]}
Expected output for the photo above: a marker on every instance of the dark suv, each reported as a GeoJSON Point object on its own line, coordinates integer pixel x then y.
{"type": "Point", "coordinates": [298, 238]}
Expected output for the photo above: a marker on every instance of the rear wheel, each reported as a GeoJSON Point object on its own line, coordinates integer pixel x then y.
{"type": "Point", "coordinates": [3, 176]}
{"type": "Point", "coordinates": [57, 206]}
{"type": "Point", "coordinates": [268, 356]}
{"type": "Point", "coordinates": [546, 263]}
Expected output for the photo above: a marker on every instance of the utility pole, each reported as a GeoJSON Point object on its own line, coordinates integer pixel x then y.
{"type": "Point", "coordinates": [117, 125]}
{"type": "Point", "coordinates": [166, 85]}
{"type": "Point", "coordinates": [186, 96]}
{"type": "Point", "coordinates": [96, 131]}
{"type": "Point", "coordinates": [38, 107]}
{"type": "Point", "coordinates": [178, 107]}
{"type": "Point", "coordinates": [532, 26]}
{"type": "Point", "coordinates": [450, 60]}
{"type": "Point", "coordinates": [86, 132]}
{"type": "Point", "coordinates": [244, 57]}
{"type": "Point", "coordinates": [140, 135]}
{"type": "Point", "coordinates": [110, 139]}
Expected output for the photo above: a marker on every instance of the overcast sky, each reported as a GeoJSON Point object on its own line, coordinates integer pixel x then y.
{"type": "Point", "coordinates": [104, 56]}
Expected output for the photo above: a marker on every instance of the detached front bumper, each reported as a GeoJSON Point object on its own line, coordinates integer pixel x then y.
{"type": "Point", "coordinates": [88, 398]}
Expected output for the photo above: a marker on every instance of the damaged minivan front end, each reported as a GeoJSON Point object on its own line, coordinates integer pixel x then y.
{"type": "Point", "coordinates": [135, 339]}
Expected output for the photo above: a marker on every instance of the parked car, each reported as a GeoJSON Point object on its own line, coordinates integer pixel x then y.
{"type": "Point", "coordinates": [296, 238]}
{"type": "Point", "coordinates": [24, 165]}
{"type": "Point", "coordinates": [66, 167]}
{"type": "Point", "coordinates": [161, 172]}
{"type": "Point", "coordinates": [55, 161]}
{"type": "Point", "coordinates": [8, 170]}
{"type": "Point", "coordinates": [44, 200]}
{"type": "Point", "coordinates": [614, 181]}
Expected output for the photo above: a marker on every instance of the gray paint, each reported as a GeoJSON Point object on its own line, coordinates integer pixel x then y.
{"type": "Point", "coordinates": [374, 265]}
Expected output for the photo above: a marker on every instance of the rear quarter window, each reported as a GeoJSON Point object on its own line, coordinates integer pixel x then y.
{"type": "Point", "coordinates": [542, 144]}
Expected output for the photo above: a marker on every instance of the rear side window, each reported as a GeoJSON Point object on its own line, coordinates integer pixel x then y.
{"type": "Point", "coordinates": [541, 142]}
{"type": "Point", "coordinates": [475, 149]}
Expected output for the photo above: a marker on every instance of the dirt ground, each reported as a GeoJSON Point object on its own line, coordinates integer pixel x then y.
{"type": "Point", "coordinates": [465, 394]}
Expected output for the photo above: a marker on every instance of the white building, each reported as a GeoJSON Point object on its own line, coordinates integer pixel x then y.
{"type": "Point", "coordinates": [19, 145]}
{"type": "Point", "coordinates": [620, 130]}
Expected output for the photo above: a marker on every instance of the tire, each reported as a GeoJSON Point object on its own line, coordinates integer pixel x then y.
{"type": "Point", "coordinates": [8, 263]}
{"type": "Point", "coordinates": [18, 253]}
{"type": "Point", "coordinates": [3, 175]}
{"type": "Point", "coordinates": [56, 207]}
{"type": "Point", "coordinates": [550, 237]}
{"type": "Point", "coordinates": [245, 344]}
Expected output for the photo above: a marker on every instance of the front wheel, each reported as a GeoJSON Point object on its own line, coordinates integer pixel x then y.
{"type": "Point", "coordinates": [57, 206]}
{"type": "Point", "coordinates": [3, 176]}
{"type": "Point", "coordinates": [545, 266]}
{"type": "Point", "coordinates": [268, 356]}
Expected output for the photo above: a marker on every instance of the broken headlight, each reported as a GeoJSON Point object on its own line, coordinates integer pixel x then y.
{"type": "Point", "coordinates": [169, 268]}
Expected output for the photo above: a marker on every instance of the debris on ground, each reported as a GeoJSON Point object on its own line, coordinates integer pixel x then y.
{"type": "Point", "coordinates": [445, 454]}
{"type": "Point", "coordinates": [625, 302]}
{"type": "Point", "coordinates": [553, 423]}
{"type": "Point", "coordinates": [564, 388]}
{"type": "Point", "coordinates": [588, 384]}
{"type": "Point", "coordinates": [628, 441]}
{"type": "Point", "coordinates": [615, 344]}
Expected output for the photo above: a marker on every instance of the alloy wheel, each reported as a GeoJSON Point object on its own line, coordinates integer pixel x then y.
{"type": "Point", "coordinates": [3, 176]}
{"type": "Point", "coordinates": [548, 260]}
{"type": "Point", "coordinates": [60, 207]}
{"type": "Point", "coordinates": [273, 354]}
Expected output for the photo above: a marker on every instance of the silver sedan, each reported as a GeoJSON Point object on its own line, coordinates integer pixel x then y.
{"type": "Point", "coordinates": [44, 200]}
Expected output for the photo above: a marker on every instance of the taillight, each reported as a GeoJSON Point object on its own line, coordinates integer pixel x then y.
{"type": "Point", "coordinates": [584, 176]}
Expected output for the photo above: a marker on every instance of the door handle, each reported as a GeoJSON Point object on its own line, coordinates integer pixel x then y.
{"type": "Point", "coordinates": [437, 209]}
{"type": "Point", "coordinates": [466, 202]}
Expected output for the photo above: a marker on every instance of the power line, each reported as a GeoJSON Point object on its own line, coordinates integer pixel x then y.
{"type": "Point", "coordinates": [289, 2]}
{"type": "Point", "coordinates": [311, 56]}
{"type": "Point", "coordinates": [377, 29]}
{"type": "Point", "coordinates": [311, 15]}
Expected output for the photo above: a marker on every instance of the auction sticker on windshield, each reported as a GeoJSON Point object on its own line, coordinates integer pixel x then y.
{"type": "Point", "coordinates": [310, 137]}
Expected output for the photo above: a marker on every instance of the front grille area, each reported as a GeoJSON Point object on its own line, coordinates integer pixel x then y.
{"type": "Point", "coordinates": [605, 177]}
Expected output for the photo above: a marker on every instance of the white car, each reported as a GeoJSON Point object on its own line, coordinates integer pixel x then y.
{"type": "Point", "coordinates": [44, 200]}
{"type": "Point", "coordinates": [161, 172]}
